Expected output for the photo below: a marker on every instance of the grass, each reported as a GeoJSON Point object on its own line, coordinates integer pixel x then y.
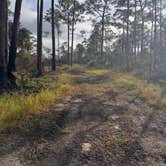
{"type": "Point", "coordinates": [134, 88]}
{"type": "Point", "coordinates": [131, 87]}
{"type": "Point", "coordinates": [125, 85]}
{"type": "Point", "coordinates": [24, 111]}
{"type": "Point", "coordinates": [17, 107]}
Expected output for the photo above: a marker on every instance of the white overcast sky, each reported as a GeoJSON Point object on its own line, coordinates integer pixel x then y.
{"type": "Point", "coordinates": [29, 16]}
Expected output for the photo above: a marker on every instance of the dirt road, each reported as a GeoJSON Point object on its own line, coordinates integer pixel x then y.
{"type": "Point", "coordinates": [87, 130]}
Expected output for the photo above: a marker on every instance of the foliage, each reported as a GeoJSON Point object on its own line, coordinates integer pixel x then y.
{"type": "Point", "coordinates": [16, 108]}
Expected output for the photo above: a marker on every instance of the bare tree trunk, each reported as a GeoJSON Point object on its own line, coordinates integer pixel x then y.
{"type": "Point", "coordinates": [161, 4]}
{"type": "Point", "coordinates": [132, 46]}
{"type": "Point", "coordinates": [127, 36]}
{"type": "Point", "coordinates": [39, 35]}
{"type": "Point", "coordinates": [72, 41]}
{"type": "Point", "coordinates": [58, 45]}
{"type": "Point", "coordinates": [68, 35]}
{"type": "Point", "coordinates": [142, 6]}
{"type": "Point", "coordinates": [103, 28]}
{"type": "Point", "coordinates": [155, 35]}
{"type": "Point", "coordinates": [53, 37]}
{"type": "Point", "coordinates": [102, 36]}
{"type": "Point", "coordinates": [160, 40]}
{"type": "Point", "coordinates": [13, 45]}
{"type": "Point", "coordinates": [38, 22]}
{"type": "Point", "coordinates": [142, 34]}
{"type": "Point", "coordinates": [142, 30]}
{"type": "Point", "coordinates": [123, 37]}
{"type": "Point", "coordinates": [151, 46]}
{"type": "Point", "coordinates": [135, 28]}
{"type": "Point", "coordinates": [3, 20]}
{"type": "Point", "coordinates": [7, 37]}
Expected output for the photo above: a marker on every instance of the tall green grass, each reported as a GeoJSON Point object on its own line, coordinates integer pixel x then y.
{"type": "Point", "coordinates": [16, 107]}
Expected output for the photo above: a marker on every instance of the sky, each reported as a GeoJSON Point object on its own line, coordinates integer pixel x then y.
{"type": "Point", "coordinates": [29, 17]}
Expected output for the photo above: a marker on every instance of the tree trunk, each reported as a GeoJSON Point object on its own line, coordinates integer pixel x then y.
{"type": "Point", "coordinates": [68, 35]}
{"type": "Point", "coordinates": [142, 32]}
{"type": "Point", "coordinates": [160, 41]}
{"type": "Point", "coordinates": [7, 38]}
{"type": "Point", "coordinates": [123, 38]}
{"type": "Point", "coordinates": [155, 35]}
{"type": "Point", "coordinates": [39, 35]}
{"type": "Point", "coordinates": [3, 22]}
{"type": "Point", "coordinates": [13, 45]}
{"type": "Point", "coordinates": [151, 46]}
{"type": "Point", "coordinates": [142, 24]}
{"type": "Point", "coordinates": [102, 36]}
{"type": "Point", "coordinates": [53, 38]}
{"type": "Point", "coordinates": [135, 28]}
{"type": "Point", "coordinates": [72, 40]}
{"type": "Point", "coordinates": [127, 36]}
{"type": "Point", "coordinates": [58, 44]}
{"type": "Point", "coordinates": [103, 28]}
{"type": "Point", "coordinates": [161, 4]}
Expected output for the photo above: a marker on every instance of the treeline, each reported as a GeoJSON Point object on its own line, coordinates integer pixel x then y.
{"type": "Point", "coordinates": [134, 36]}
{"type": "Point", "coordinates": [127, 34]}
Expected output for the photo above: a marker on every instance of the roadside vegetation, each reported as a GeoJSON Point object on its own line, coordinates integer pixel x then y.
{"type": "Point", "coordinates": [38, 94]}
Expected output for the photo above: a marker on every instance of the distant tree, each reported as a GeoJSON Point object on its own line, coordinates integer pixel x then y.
{"type": "Point", "coordinates": [62, 14]}
{"type": "Point", "coordinates": [25, 40]}
{"type": "Point", "coordinates": [143, 4]}
{"type": "Point", "coordinates": [79, 53]}
{"type": "Point", "coordinates": [101, 9]}
{"type": "Point", "coordinates": [64, 52]}
{"type": "Point", "coordinates": [70, 11]}
{"type": "Point", "coordinates": [58, 25]}
{"type": "Point", "coordinates": [94, 42]}
{"type": "Point", "coordinates": [77, 11]}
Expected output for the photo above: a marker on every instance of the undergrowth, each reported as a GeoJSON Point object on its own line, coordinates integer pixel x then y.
{"type": "Point", "coordinates": [122, 84]}
{"type": "Point", "coordinates": [44, 91]}
{"type": "Point", "coordinates": [17, 107]}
